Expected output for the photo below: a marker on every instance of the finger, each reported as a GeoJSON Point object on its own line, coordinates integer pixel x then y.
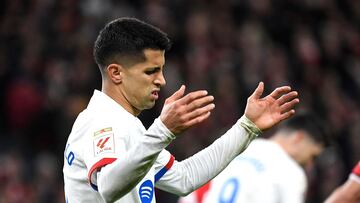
{"type": "Point", "coordinates": [176, 96]}
{"type": "Point", "coordinates": [199, 103]}
{"type": "Point", "coordinates": [278, 92]}
{"type": "Point", "coordinates": [287, 97]}
{"type": "Point", "coordinates": [289, 105]}
{"type": "Point", "coordinates": [192, 96]}
{"type": "Point", "coordinates": [258, 91]}
{"type": "Point", "coordinates": [287, 115]}
{"type": "Point", "coordinates": [198, 119]}
{"type": "Point", "coordinates": [200, 111]}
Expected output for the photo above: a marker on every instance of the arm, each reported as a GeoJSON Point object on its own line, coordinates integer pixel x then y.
{"type": "Point", "coordinates": [116, 177]}
{"type": "Point", "coordinates": [188, 175]}
{"type": "Point", "coordinates": [349, 192]}
{"type": "Point", "coordinates": [260, 114]}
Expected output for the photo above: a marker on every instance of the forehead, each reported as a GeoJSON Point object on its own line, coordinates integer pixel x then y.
{"type": "Point", "coordinates": [154, 57]}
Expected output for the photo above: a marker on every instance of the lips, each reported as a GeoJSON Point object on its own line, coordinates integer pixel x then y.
{"type": "Point", "coordinates": [155, 94]}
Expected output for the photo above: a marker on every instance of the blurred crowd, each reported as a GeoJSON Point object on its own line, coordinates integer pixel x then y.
{"type": "Point", "coordinates": [47, 75]}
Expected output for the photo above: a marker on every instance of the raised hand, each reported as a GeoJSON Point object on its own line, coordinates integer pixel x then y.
{"type": "Point", "coordinates": [270, 110]}
{"type": "Point", "coordinates": [181, 112]}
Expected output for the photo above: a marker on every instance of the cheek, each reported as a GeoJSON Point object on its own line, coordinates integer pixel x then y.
{"type": "Point", "coordinates": [137, 86]}
{"type": "Point", "coordinates": [142, 93]}
{"type": "Point", "coordinates": [309, 157]}
{"type": "Point", "coordinates": [306, 153]}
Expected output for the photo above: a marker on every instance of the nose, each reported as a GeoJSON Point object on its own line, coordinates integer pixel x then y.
{"type": "Point", "coordinates": [160, 80]}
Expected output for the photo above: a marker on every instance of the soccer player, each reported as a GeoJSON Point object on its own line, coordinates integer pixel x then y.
{"type": "Point", "coordinates": [269, 170]}
{"type": "Point", "coordinates": [349, 192]}
{"type": "Point", "coordinates": [111, 157]}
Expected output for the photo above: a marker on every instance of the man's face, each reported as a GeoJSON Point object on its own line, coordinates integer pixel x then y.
{"type": "Point", "coordinates": [308, 150]}
{"type": "Point", "coordinates": [141, 82]}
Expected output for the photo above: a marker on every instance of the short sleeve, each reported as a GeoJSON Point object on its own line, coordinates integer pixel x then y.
{"type": "Point", "coordinates": [356, 169]}
{"type": "Point", "coordinates": [355, 174]}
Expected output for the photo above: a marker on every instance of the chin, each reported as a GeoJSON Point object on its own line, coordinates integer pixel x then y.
{"type": "Point", "coordinates": [149, 106]}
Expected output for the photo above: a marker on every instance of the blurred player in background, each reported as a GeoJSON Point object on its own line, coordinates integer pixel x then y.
{"type": "Point", "coordinates": [349, 192]}
{"type": "Point", "coordinates": [269, 170]}
{"type": "Point", "coordinates": [111, 157]}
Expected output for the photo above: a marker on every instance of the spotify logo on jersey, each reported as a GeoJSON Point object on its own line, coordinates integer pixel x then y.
{"type": "Point", "coordinates": [146, 191]}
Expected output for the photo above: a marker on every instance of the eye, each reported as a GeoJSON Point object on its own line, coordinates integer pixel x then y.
{"type": "Point", "coordinates": [151, 71]}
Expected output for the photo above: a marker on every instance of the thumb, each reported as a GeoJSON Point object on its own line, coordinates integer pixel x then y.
{"type": "Point", "coordinates": [177, 95]}
{"type": "Point", "coordinates": [258, 91]}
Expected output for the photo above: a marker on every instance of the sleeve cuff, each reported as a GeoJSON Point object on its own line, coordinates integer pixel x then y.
{"type": "Point", "coordinates": [161, 128]}
{"type": "Point", "coordinates": [354, 177]}
{"type": "Point", "coordinates": [356, 169]}
{"type": "Point", "coordinates": [355, 174]}
{"type": "Point", "coordinates": [249, 126]}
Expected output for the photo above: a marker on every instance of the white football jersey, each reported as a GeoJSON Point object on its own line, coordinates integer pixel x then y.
{"type": "Point", "coordinates": [264, 172]}
{"type": "Point", "coordinates": [101, 134]}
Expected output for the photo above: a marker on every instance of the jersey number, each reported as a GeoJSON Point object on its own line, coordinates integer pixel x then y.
{"type": "Point", "coordinates": [70, 158]}
{"type": "Point", "coordinates": [229, 191]}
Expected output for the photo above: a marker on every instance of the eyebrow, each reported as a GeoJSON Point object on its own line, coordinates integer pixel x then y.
{"type": "Point", "coordinates": [154, 68]}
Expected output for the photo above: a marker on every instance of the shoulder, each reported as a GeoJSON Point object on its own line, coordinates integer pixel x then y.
{"type": "Point", "coordinates": [290, 174]}
{"type": "Point", "coordinates": [278, 163]}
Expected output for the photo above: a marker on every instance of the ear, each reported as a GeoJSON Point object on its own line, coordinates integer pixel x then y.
{"type": "Point", "coordinates": [298, 136]}
{"type": "Point", "coordinates": [114, 73]}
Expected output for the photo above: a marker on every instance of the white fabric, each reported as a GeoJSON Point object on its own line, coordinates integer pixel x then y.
{"type": "Point", "coordinates": [195, 171]}
{"type": "Point", "coordinates": [355, 178]}
{"type": "Point", "coordinates": [134, 149]}
{"type": "Point", "coordinates": [128, 153]}
{"type": "Point", "coordinates": [262, 173]}
{"type": "Point", "coordinates": [355, 175]}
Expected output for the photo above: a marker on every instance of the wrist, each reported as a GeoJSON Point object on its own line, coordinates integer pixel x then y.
{"type": "Point", "coordinates": [164, 128]}
{"type": "Point", "coordinates": [249, 126]}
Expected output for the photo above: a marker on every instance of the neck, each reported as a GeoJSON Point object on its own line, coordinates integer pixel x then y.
{"type": "Point", "coordinates": [285, 143]}
{"type": "Point", "coordinates": [119, 97]}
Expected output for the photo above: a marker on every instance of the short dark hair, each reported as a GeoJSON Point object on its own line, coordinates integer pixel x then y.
{"type": "Point", "coordinates": [313, 125]}
{"type": "Point", "coordinates": [123, 41]}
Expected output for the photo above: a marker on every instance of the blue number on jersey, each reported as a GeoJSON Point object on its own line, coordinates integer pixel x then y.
{"type": "Point", "coordinates": [229, 191]}
{"type": "Point", "coordinates": [70, 158]}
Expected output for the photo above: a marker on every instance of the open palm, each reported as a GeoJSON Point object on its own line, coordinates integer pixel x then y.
{"type": "Point", "coordinates": [272, 109]}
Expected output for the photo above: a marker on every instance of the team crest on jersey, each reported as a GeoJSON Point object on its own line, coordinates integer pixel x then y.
{"type": "Point", "coordinates": [104, 144]}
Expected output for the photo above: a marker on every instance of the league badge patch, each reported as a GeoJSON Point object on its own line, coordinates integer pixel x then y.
{"type": "Point", "coordinates": [104, 144]}
{"type": "Point", "coordinates": [104, 130]}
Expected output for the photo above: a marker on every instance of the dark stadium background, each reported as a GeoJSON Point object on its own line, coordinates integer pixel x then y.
{"type": "Point", "coordinates": [47, 75]}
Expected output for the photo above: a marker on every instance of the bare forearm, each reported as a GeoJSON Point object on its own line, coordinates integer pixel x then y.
{"type": "Point", "coordinates": [348, 193]}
